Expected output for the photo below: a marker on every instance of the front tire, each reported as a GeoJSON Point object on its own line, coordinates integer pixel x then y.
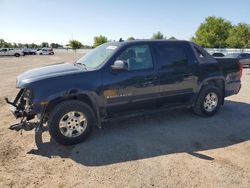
{"type": "Point", "coordinates": [17, 55]}
{"type": "Point", "coordinates": [208, 101]}
{"type": "Point", "coordinates": [71, 122]}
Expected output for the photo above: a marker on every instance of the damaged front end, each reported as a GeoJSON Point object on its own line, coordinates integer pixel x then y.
{"type": "Point", "coordinates": [22, 107]}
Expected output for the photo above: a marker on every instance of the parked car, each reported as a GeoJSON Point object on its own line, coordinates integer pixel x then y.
{"type": "Point", "coordinates": [241, 56]}
{"type": "Point", "coordinates": [29, 51]}
{"type": "Point", "coordinates": [45, 51]}
{"type": "Point", "coordinates": [218, 54]}
{"type": "Point", "coordinates": [122, 79]}
{"type": "Point", "coordinates": [11, 52]}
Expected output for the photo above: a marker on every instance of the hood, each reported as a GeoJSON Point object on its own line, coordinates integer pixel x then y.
{"type": "Point", "coordinates": [46, 72]}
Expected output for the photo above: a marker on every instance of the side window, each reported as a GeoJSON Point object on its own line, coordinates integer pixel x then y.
{"type": "Point", "coordinates": [171, 55]}
{"type": "Point", "coordinates": [199, 53]}
{"type": "Point", "coordinates": [137, 57]}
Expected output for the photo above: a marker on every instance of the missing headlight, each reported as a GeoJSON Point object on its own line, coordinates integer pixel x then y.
{"type": "Point", "coordinates": [28, 94]}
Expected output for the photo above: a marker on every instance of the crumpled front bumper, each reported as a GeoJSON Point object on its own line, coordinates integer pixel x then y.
{"type": "Point", "coordinates": [18, 106]}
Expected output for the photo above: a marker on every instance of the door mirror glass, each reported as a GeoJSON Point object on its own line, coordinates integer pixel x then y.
{"type": "Point", "coordinates": [119, 65]}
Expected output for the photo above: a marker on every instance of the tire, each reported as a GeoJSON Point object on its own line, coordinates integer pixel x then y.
{"type": "Point", "coordinates": [52, 53]}
{"type": "Point", "coordinates": [207, 108]}
{"type": "Point", "coordinates": [17, 55]}
{"type": "Point", "coordinates": [66, 131]}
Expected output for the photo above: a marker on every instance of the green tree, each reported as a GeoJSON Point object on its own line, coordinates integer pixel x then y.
{"type": "Point", "coordinates": [239, 36]}
{"type": "Point", "coordinates": [158, 35]}
{"type": "Point", "coordinates": [7, 45]}
{"type": "Point", "coordinates": [55, 45]}
{"type": "Point", "coordinates": [75, 44]}
{"type": "Point", "coordinates": [131, 38]}
{"type": "Point", "coordinates": [213, 33]}
{"type": "Point", "coordinates": [15, 45]}
{"type": "Point", "coordinates": [2, 42]}
{"type": "Point", "coordinates": [33, 45]}
{"type": "Point", "coordinates": [20, 45]}
{"type": "Point", "coordinates": [44, 44]}
{"type": "Point", "coordinates": [98, 40]}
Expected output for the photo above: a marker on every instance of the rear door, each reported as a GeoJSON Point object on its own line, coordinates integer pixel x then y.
{"type": "Point", "coordinates": [177, 80]}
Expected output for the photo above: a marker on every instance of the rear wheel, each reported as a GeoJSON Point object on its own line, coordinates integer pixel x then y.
{"type": "Point", "coordinates": [71, 122]}
{"type": "Point", "coordinates": [208, 101]}
{"type": "Point", "coordinates": [17, 55]}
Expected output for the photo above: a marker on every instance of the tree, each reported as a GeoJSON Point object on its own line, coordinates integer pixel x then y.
{"type": "Point", "coordinates": [44, 44]}
{"type": "Point", "coordinates": [158, 35]}
{"type": "Point", "coordinates": [75, 44]}
{"type": "Point", "coordinates": [131, 38]}
{"type": "Point", "coordinates": [20, 45]}
{"type": "Point", "coordinates": [2, 42]}
{"type": "Point", "coordinates": [213, 33]}
{"type": "Point", "coordinates": [33, 45]}
{"type": "Point", "coordinates": [7, 45]}
{"type": "Point", "coordinates": [55, 45]}
{"type": "Point", "coordinates": [98, 40]}
{"type": "Point", "coordinates": [15, 45]}
{"type": "Point", "coordinates": [239, 36]}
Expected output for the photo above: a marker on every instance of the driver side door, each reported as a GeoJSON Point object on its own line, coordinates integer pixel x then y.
{"type": "Point", "coordinates": [135, 88]}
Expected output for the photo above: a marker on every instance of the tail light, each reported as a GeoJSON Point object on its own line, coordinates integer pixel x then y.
{"type": "Point", "coordinates": [241, 69]}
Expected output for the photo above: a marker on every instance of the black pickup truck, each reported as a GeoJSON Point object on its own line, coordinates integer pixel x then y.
{"type": "Point", "coordinates": [124, 78]}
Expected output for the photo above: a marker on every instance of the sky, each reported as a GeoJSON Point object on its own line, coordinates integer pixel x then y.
{"type": "Point", "coordinates": [36, 21]}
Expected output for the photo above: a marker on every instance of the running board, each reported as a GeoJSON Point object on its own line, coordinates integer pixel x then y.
{"type": "Point", "coordinates": [131, 114]}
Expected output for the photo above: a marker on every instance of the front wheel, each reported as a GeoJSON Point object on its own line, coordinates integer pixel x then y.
{"type": "Point", "coordinates": [17, 55]}
{"type": "Point", "coordinates": [71, 122]}
{"type": "Point", "coordinates": [208, 101]}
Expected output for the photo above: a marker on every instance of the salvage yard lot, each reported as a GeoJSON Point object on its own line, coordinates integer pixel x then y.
{"type": "Point", "coordinates": [171, 149]}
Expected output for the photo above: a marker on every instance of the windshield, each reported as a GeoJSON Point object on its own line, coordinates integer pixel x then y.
{"type": "Point", "coordinates": [97, 56]}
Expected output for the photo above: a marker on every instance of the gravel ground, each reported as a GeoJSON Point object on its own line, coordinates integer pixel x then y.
{"type": "Point", "coordinates": [177, 149]}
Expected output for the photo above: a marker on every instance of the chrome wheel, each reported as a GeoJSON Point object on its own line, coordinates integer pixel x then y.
{"type": "Point", "coordinates": [210, 102]}
{"type": "Point", "coordinates": [73, 124]}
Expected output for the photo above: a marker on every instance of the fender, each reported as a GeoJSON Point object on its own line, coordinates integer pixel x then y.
{"type": "Point", "coordinates": [204, 82]}
{"type": "Point", "coordinates": [82, 95]}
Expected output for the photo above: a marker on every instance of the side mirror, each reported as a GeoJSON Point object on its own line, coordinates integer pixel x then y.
{"type": "Point", "coordinates": [119, 65]}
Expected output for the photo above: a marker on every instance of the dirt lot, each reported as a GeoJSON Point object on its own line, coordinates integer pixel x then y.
{"type": "Point", "coordinates": [174, 149]}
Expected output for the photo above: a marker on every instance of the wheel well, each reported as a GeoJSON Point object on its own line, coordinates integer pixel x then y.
{"type": "Point", "coordinates": [83, 97]}
{"type": "Point", "coordinates": [218, 83]}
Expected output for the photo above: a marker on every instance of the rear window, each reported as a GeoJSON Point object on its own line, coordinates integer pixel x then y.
{"type": "Point", "coordinates": [171, 55]}
{"type": "Point", "coordinates": [202, 55]}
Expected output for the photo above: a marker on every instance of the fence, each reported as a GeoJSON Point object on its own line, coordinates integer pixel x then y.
{"type": "Point", "coordinates": [83, 51]}
{"type": "Point", "coordinates": [227, 50]}
{"type": "Point", "coordinates": [210, 50]}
